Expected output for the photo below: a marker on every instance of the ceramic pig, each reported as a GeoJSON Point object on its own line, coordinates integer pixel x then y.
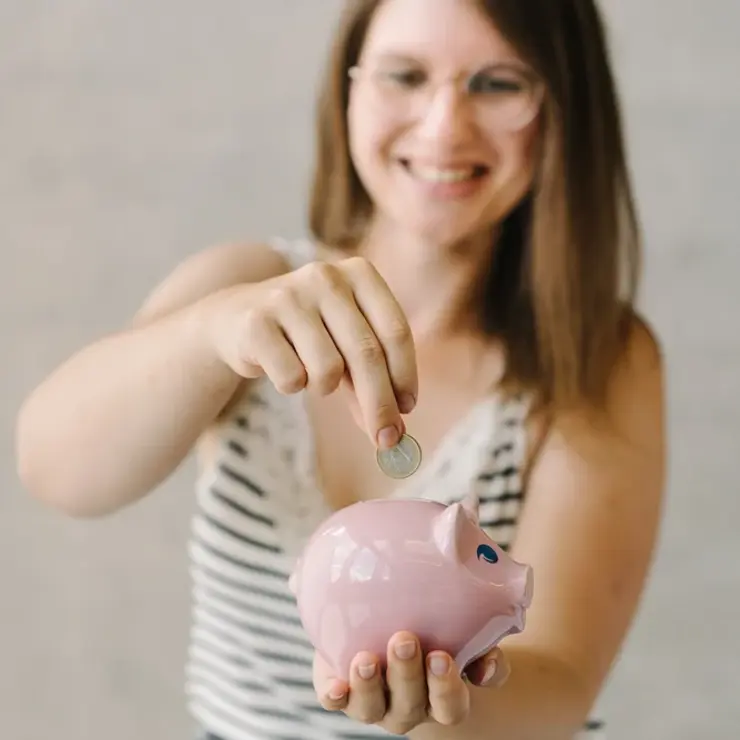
{"type": "Point", "coordinates": [381, 566]}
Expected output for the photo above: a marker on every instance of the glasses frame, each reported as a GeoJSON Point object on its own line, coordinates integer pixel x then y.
{"type": "Point", "coordinates": [359, 72]}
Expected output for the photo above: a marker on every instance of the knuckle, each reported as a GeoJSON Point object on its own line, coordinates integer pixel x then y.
{"type": "Point", "coordinates": [397, 330]}
{"type": "Point", "coordinates": [442, 696]}
{"type": "Point", "coordinates": [254, 320]}
{"type": "Point", "coordinates": [384, 412]}
{"type": "Point", "coordinates": [327, 378]}
{"type": "Point", "coordinates": [359, 265]}
{"type": "Point", "coordinates": [369, 714]}
{"type": "Point", "coordinates": [369, 350]}
{"type": "Point", "coordinates": [406, 717]}
{"type": "Point", "coordinates": [253, 331]}
{"type": "Point", "coordinates": [449, 707]}
{"type": "Point", "coordinates": [290, 383]}
{"type": "Point", "coordinates": [279, 297]}
{"type": "Point", "coordinates": [325, 276]}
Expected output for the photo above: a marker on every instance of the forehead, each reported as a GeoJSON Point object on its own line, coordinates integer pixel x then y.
{"type": "Point", "coordinates": [449, 32]}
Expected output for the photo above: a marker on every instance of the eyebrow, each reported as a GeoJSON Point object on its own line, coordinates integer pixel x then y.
{"type": "Point", "coordinates": [394, 57]}
{"type": "Point", "coordinates": [398, 58]}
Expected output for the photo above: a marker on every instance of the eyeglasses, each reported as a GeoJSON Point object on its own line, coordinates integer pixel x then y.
{"type": "Point", "coordinates": [502, 97]}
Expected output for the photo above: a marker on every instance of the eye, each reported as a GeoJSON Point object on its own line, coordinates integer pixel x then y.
{"type": "Point", "coordinates": [487, 83]}
{"type": "Point", "coordinates": [487, 553]}
{"type": "Point", "coordinates": [406, 78]}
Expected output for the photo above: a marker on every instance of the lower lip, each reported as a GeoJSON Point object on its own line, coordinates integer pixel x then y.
{"type": "Point", "coordinates": [447, 190]}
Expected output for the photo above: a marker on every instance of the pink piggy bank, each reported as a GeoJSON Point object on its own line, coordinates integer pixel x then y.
{"type": "Point", "coordinates": [378, 567]}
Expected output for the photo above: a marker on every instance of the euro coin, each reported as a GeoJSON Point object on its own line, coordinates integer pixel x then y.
{"type": "Point", "coordinates": [402, 460]}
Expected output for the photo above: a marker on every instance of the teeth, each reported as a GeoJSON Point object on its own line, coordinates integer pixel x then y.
{"type": "Point", "coordinates": [432, 174]}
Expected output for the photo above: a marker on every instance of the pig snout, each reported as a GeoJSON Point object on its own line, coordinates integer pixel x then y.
{"type": "Point", "coordinates": [525, 586]}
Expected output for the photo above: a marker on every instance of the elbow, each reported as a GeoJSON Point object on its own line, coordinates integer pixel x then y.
{"type": "Point", "coordinates": [579, 695]}
{"type": "Point", "coordinates": [51, 491]}
{"type": "Point", "coordinates": [46, 476]}
{"type": "Point", "coordinates": [61, 496]}
{"type": "Point", "coordinates": [582, 693]}
{"type": "Point", "coordinates": [565, 696]}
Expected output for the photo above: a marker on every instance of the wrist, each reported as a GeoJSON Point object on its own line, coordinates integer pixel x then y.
{"type": "Point", "coordinates": [200, 324]}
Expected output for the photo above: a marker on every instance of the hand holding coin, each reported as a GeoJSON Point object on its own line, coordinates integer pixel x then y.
{"type": "Point", "coordinates": [320, 327]}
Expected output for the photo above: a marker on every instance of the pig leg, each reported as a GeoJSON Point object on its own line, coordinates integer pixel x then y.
{"type": "Point", "coordinates": [491, 634]}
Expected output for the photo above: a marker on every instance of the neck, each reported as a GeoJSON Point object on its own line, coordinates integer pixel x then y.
{"type": "Point", "coordinates": [438, 287]}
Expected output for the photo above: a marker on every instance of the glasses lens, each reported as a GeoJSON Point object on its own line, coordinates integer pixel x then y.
{"type": "Point", "coordinates": [504, 98]}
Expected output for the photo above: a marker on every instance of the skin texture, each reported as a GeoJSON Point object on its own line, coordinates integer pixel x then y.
{"type": "Point", "coordinates": [381, 340]}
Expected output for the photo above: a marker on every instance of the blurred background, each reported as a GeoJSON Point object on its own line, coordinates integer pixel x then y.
{"type": "Point", "coordinates": [133, 134]}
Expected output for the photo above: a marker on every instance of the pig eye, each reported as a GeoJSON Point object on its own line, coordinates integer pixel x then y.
{"type": "Point", "coordinates": [487, 553]}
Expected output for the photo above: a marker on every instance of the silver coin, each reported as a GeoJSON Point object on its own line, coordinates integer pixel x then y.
{"type": "Point", "coordinates": [402, 460]}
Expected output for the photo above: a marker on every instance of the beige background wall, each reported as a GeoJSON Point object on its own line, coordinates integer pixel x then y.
{"type": "Point", "coordinates": [133, 133]}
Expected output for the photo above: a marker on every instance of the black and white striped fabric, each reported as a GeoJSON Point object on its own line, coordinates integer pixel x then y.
{"type": "Point", "coordinates": [249, 667]}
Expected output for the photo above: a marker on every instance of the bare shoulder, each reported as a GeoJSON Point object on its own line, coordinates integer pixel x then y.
{"type": "Point", "coordinates": [635, 398]}
{"type": "Point", "coordinates": [592, 514]}
{"type": "Point", "coordinates": [212, 269]}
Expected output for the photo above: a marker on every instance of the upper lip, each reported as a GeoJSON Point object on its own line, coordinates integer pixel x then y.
{"type": "Point", "coordinates": [452, 165]}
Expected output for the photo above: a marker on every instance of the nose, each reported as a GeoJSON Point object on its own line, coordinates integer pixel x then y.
{"type": "Point", "coordinates": [527, 586]}
{"type": "Point", "coordinates": [445, 118]}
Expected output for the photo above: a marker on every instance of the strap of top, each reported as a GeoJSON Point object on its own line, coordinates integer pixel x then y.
{"type": "Point", "coordinates": [297, 252]}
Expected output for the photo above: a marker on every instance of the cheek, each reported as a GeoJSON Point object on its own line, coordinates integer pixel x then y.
{"type": "Point", "coordinates": [369, 142]}
{"type": "Point", "coordinates": [518, 153]}
{"type": "Point", "coordinates": [527, 149]}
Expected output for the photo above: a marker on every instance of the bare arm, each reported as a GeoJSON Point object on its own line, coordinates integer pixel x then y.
{"type": "Point", "coordinates": [119, 416]}
{"type": "Point", "coordinates": [589, 529]}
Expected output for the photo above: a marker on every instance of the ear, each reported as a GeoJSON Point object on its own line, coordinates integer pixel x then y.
{"type": "Point", "coordinates": [448, 530]}
{"type": "Point", "coordinates": [471, 504]}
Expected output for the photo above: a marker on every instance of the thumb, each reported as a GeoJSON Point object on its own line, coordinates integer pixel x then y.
{"type": "Point", "coordinates": [490, 671]}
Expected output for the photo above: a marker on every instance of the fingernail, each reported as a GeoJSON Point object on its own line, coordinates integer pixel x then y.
{"type": "Point", "coordinates": [439, 665]}
{"type": "Point", "coordinates": [406, 403]}
{"type": "Point", "coordinates": [490, 672]}
{"type": "Point", "coordinates": [388, 437]}
{"type": "Point", "coordinates": [336, 694]}
{"type": "Point", "coordinates": [366, 671]}
{"type": "Point", "coordinates": [405, 650]}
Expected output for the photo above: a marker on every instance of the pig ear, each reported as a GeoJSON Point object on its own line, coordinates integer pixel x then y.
{"type": "Point", "coordinates": [471, 504]}
{"type": "Point", "coordinates": [448, 530]}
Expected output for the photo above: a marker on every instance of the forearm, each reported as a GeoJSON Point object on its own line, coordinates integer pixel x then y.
{"type": "Point", "coordinates": [119, 416]}
{"type": "Point", "coordinates": [541, 700]}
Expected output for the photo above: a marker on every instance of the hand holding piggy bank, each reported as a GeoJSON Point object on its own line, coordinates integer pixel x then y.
{"type": "Point", "coordinates": [379, 567]}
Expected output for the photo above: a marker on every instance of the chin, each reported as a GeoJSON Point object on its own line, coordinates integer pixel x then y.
{"type": "Point", "coordinates": [447, 223]}
{"type": "Point", "coordinates": [440, 233]}
{"type": "Point", "coordinates": [437, 225]}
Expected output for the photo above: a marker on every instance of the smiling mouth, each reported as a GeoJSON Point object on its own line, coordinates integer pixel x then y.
{"type": "Point", "coordinates": [444, 175]}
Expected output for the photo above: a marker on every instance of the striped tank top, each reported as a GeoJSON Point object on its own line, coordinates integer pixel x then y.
{"type": "Point", "coordinates": [249, 672]}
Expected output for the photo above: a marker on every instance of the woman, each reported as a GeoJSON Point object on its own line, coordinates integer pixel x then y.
{"type": "Point", "coordinates": [471, 278]}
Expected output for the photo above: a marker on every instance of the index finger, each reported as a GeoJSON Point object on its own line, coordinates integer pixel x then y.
{"type": "Point", "coordinates": [389, 324]}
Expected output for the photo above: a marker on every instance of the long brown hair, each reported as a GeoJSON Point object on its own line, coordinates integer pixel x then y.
{"type": "Point", "coordinates": [565, 267]}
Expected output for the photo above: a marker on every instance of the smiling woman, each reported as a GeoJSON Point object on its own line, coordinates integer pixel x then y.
{"type": "Point", "coordinates": [470, 274]}
{"type": "Point", "coordinates": [522, 117]}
